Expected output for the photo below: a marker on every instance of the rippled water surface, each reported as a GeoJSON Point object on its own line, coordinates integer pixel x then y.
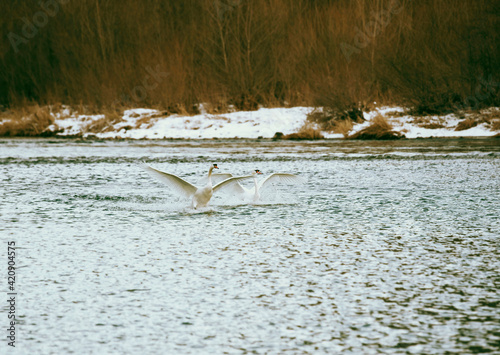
{"type": "Point", "coordinates": [389, 247]}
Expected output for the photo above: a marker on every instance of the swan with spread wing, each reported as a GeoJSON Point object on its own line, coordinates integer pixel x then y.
{"type": "Point", "coordinates": [200, 196]}
{"type": "Point", "coordinates": [254, 192]}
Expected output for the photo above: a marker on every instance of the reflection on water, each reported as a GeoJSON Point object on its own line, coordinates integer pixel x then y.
{"type": "Point", "coordinates": [388, 248]}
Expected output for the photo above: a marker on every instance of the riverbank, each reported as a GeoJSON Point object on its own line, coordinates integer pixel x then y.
{"type": "Point", "coordinates": [144, 123]}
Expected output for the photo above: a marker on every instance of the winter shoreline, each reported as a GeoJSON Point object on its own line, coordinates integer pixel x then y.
{"type": "Point", "coordinates": [149, 124]}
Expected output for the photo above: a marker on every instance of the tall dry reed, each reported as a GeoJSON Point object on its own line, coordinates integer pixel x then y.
{"type": "Point", "coordinates": [434, 56]}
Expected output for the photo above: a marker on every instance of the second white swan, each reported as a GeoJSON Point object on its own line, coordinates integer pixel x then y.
{"type": "Point", "coordinates": [254, 193]}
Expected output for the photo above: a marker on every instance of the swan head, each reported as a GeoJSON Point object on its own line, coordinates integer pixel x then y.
{"type": "Point", "coordinates": [214, 166]}
{"type": "Point", "coordinates": [257, 172]}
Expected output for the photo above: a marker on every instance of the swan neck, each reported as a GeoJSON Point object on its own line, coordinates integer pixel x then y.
{"type": "Point", "coordinates": [210, 175]}
{"type": "Point", "coordinates": [256, 196]}
{"type": "Point", "coordinates": [256, 187]}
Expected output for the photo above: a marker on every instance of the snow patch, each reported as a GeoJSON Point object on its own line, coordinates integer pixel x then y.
{"type": "Point", "coordinates": [143, 123]}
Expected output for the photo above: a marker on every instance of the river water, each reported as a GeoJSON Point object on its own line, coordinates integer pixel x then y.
{"type": "Point", "coordinates": [387, 248]}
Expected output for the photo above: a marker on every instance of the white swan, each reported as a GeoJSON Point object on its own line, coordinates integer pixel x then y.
{"type": "Point", "coordinates": [254, 193]}
{"type": "Point", "coordinates": [200, 195]}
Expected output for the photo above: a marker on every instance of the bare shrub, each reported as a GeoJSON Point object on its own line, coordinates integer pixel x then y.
{"type": "Point", "coordinates": [495, 125]}
{"type": "Point", "coordinates": [379, 129]}
{"type": "Point", "coordinates": [148, 121]}
{"type": "Point", "coordinates": [429, 122]}
{"type": "Point", "coordinates": [217, 107]}
{"type": "Point", "coordinates": [28, 122]}
{"type": "Point", "coordinates": [306, 132]}
{"type": "Point", "coordinates": [104, 124]}
{"type": "Point", "coordinates": [335, 120]}
{"type": "Point", "coordinates": [343, 127]}
{"type": "Point", "coordinates": [322, 119]}
{"type": "Point", "coordinates": [491, 118]}
{"type": "Point", "coordinates": [466, 124]}
{"type": "Point", "coordinates": [432, 125]}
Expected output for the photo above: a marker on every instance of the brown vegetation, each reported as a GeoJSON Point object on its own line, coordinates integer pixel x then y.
{"type": "Point", "coordinates": [430, 55]}
{"type": "Point", "coordinates": [466, 124]}
{"type": "Point", "coordinates": [343, 127]}
{"type": "Point", "coordinates": [491, 118]}
{"type": "Point", "coordinates": [495, 126]}
{"type": "Point", "coordinates": [379, 129]}
{"type": "Point", "coordinates": [433, 125]}
{"type": "Point", "coordinates": [334, 120]}
{"type": "Point", "coordinates": [429, 122]}
{"type": "Point", "coordinates": [307, 132]}
{"type": "Point", "coordinates": [29, 121]}
{"type": "Point", "coordinates": [104, 124]}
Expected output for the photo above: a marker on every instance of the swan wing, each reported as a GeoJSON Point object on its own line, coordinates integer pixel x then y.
{"type": "Point", "coordinates": [216, 178]}
{"type": "Point", "coordinates": [238, 189]}
{"type": "Point", "coordinates": [180, 186]}
{"type": "Point", "coordinates": [232, 183]}
{"type": "Point", "coordinates": [282, 178]}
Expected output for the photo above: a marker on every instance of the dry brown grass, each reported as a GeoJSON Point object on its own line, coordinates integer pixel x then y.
{"type": "Point", "coordinates": [491, 118]}
{"type": "Point", "coordinates": [146, 121]}
{"type": "Point", "coordinates": [432, 125]}
{"type": "Point", "coordinates": [217, 107]}
{"type": "Point", "coordinates": [307, 132]}
{"type": "Point", "coordinates": [323, 119]}
{"type": "Point", "coordinates": [261, 52]}
{"type": "Point", "coordinates": [395, 114]}
{"type": "Point", "coordinates": [379, 129]}
{"type": "Point", "coordinates": [31, 121]}
{"type": "Point", "coordinates": [336, 121]}
{"type": "Point", "coordinates": [466, 124]}
{"type": "Point", "coordinates": [343, 127]}
{"type": "Point", "coordinates": [104, 124]}
{"type": "Point", "coordinates": [429, 122]}
{"type": "Point", "coordinates": [495, 125]}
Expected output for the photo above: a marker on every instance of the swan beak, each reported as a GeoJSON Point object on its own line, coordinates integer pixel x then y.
{"type": "Point", "coordinates": [258, 172]}
{"type": "Point", "coordinates": [215, 166]}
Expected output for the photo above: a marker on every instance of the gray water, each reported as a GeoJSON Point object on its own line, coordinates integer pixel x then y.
{"type": "Point", "coordinates": [388, 248]}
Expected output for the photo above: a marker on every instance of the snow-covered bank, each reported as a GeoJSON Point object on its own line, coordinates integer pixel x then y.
{"type": "Point", "coordinates": [415, 127]}
{"type": "Point", "coordinates": [152, 124]}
